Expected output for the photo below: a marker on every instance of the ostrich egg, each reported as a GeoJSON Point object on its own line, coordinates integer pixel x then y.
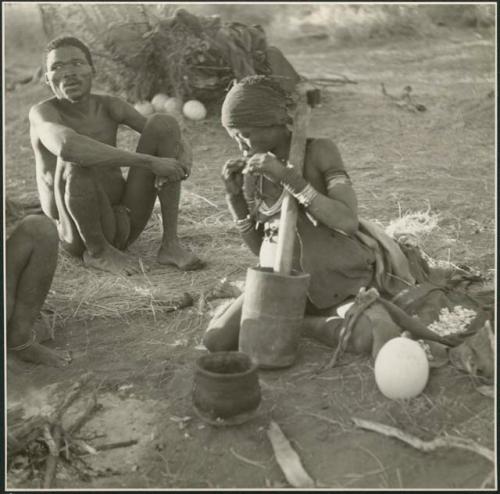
{"type": "Point", "coordinates": [194, 110]}
{"type": "Point", "coordinates": [173, 105]}
{"type": "Point", "coordinates": [144, 107]}
{"type": "Point", "coordinates": [158, 101]}
{"type": "Point", "coordinates": [401, 369]}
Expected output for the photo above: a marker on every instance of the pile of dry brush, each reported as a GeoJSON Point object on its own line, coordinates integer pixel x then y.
{"type": "Point", "coordinates": [43, 439]}
{"type": "Point", "coordinates": [142, 50]}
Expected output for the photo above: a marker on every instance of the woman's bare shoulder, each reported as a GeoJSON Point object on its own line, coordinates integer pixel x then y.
{"type": "Point", "coordinates": [324, 154]}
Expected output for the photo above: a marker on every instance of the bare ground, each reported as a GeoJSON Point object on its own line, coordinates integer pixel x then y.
{"type": "Point", "coordinates": [442, 158]}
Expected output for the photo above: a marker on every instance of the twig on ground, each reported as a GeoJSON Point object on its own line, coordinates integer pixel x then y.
{"type": "Point", "coordinates": [82, 447]}
{"type": "Point", "coordinates": [287, 458]}
{"type": "Point", "coordinates": [326, 419]}
{"type": "Point", "coordinates": [106, 447]}
{"type": "Point", "coordinates": [53, 440]}
{"type": "Point", "coordinates": [91, 407]}
{"type": "Point", "coordinates": [246, 460]}
{"type": "Point", "coordinates": [119, 444]}
{"type": "Point", "coordinates": [66, 448]}
{"type": "Point", "coordinates": [73, 393]}
{"type": "Point", "coordinates": [426, 446]}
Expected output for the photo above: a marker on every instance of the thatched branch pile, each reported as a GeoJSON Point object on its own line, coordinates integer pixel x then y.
{"type": "Point", "coordinates": [140, 50]}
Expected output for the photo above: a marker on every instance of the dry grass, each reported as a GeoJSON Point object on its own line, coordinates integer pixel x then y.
{"type": "Point", "coordinates": [79, 293]}
{"type": "Point", "coordinates": [205, 227]}
{"type": "Point", "coordinates": [417, 225]}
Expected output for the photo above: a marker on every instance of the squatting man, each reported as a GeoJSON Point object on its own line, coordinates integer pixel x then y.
{"type": "Point", "coordinates": [74, 134]}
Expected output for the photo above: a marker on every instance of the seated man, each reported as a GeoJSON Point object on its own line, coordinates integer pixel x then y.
{"type": "Point", "coordinates": [31, 259]}
{"type": "Point", "coordinates": [254, 113]}
{"type": "Point", "coordinates": [73, 135]}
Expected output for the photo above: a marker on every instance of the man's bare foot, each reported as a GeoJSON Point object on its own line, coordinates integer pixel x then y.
{"type": "Point", "coordinates": [174, 254]}
{"type": "Point", "coordinates": [112, 260]}
{"type": "Point", "coordinates": [39, 354]}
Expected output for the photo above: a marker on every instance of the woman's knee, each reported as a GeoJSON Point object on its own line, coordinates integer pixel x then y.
{"type": "Point", "coordinates": [216, 340]}
{"type": "Point", "coordinates": [34, 234]}
{"type": "Point", "coordinates": [210, 341]}
{"type": "Point", "coordinates": [223, 330]}
{"type": "Point", "coordinates": [39, 228]}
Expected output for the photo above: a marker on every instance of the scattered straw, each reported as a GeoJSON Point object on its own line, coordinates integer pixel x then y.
{"type": "Point", "coordinates": [80, 293]}
{"type": "Point", "coordinates": [415, 225]}
{"type": "Point", "coordinates": [246, 460]}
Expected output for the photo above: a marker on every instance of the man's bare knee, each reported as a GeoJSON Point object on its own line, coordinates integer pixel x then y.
{"type": "Point", "coordinates": [163, 125]}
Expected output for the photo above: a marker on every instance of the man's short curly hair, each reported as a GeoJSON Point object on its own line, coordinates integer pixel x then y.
{"type": "Point", "coordinates": [61, 41]}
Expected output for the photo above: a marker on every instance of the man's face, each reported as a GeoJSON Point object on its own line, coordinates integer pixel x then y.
{"type": "Point", "coordinates": [69, 74]}
{"type": "Point", "coordinates": [253, 140]}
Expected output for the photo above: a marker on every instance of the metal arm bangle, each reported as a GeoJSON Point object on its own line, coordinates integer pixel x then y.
{"type": "Point", "coordinates": [306, 195]}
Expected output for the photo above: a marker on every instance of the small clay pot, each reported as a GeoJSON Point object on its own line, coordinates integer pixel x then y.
{"type": "Point", "coordinates": [226, 388]}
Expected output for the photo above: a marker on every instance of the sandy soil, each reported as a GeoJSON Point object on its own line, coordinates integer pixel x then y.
{"type": "Point", "coordinates": [442, 158]}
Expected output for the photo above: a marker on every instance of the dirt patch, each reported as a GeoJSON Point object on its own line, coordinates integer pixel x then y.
{"type": "Point", "coordinates": [148, 397]}
{"type": "Point", "coordinates": [399, 161]}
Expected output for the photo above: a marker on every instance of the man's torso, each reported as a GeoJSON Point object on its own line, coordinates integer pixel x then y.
{"type": "Point", "coordinates": [99, 124]}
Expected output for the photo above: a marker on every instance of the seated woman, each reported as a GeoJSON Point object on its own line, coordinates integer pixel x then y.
{"type": "Point", "coordinates": [31, 259]}
{"type": "Point", "coordinates": [340, 253]}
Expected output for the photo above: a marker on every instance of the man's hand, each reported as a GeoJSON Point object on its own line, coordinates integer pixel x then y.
{"type": "Point", "coordinates": [185, 156]}
{"type": "Point", "coordinates": [232, 175]}
{"type": "Point", "coordinates": [168, 168]}
{"type": "Point", "coordinates": [266, 164]}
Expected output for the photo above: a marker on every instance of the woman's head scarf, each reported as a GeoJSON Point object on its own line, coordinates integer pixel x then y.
{"type": "Point", "coordinates": [255, 101]}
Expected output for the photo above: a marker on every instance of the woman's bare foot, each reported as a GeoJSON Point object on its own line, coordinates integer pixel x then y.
{"type": "Point", "coordinates": [112, 260]}
{"type": "Point", "coordinates": [39, 354]}
{"type": "Point", "coordinates": [173, 253]}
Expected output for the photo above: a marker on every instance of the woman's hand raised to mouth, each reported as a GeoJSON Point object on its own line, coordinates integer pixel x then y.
{"type": "Point", "coordinates": [266, 164]}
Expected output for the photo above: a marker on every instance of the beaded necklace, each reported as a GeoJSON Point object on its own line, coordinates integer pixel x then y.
{"type": "Point", "coordinates": [253, 189]}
